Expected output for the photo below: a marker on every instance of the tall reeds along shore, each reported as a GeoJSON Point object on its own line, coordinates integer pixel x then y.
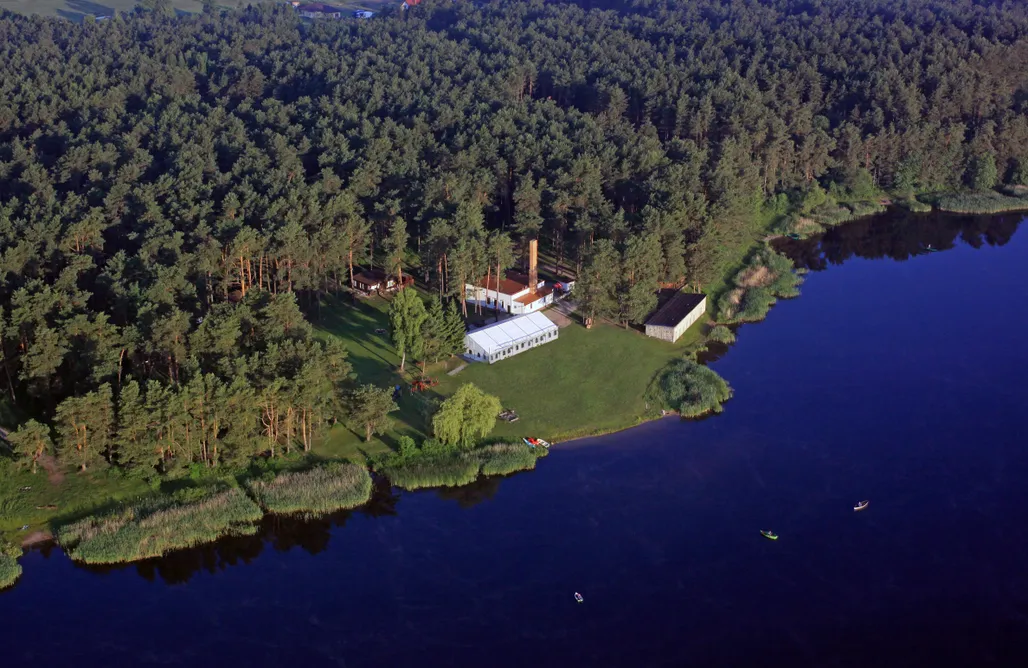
{"type": "Point", "coordinates": [159, 525]}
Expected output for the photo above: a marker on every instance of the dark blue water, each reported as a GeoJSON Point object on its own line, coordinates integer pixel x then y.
{"type": "Point", "coordinates": [902, 382]}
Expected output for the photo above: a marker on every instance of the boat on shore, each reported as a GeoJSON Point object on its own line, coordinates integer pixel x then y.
{"type": "Point", "coordinates": [534, 442]}
{"type": "Point", "coordinates": [771, 535]}
{"type": "Point", "coordinates": [860, 506]}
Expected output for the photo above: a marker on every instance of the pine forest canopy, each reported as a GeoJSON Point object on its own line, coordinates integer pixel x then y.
{"type": "Point", "coordinates": [175, 192]}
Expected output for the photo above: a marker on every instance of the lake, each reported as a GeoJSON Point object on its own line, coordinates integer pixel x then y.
{"type": "Point", "coordinates": [895, 377]}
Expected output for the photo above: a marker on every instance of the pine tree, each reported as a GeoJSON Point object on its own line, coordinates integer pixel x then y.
{"type": "Point", "coordinates": [30, 443]}
{"type": "Point", "coordinates": [134, 439]}
{"type": "Point", "coordinates": [454, 330]}
{"type": "Point", "coordinates": [369, 407]}
{"type": "Point", "coordinates": [638, 292]}
{"type": "Point", "coordinates": [597, 286]}
{"type": "Point", "coordinates": [395, 246]}
{"type": "Point", "coordinates": [433, 332]}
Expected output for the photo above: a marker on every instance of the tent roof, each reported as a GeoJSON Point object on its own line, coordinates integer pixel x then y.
{"type": "Point", "coordinates": [502, 334]}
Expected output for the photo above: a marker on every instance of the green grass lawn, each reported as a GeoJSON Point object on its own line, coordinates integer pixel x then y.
{"type": "Point", "coordinates": [586, 382]}
{"type": "Point", "coordinates": [75, 494]}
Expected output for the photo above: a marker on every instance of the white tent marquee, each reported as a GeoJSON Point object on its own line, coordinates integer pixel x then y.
{"type": "Point", "coordinates": [509, 337]}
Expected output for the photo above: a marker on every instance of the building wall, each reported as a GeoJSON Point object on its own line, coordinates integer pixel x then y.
{"type": "Point", "coordinates": [672, 334]}
{"type": "Point", "coordinates": [476, 353]}
{"type": "Point", "coordinates": [508, 303]}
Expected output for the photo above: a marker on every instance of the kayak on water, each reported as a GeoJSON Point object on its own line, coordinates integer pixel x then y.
{"type": "Point", "coordinates": [769, 534]}
{"type": "Point", "coordinates": [860, 506]}
{"type": "Point", "coordinates": [578, 597]}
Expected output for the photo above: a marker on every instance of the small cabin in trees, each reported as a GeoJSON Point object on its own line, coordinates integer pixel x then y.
{"type": "Point", "coordinates": [676, 316]}
{"type": "Point", "coordinates": [375, 280]}
{"type": "Point", "coordinates": [317, 10]}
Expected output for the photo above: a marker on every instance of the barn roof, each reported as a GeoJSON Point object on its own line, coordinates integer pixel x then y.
{"type": "Point", "coordinates": [510, 331]}
{"type": "Point", "coordinates": [676, 309]}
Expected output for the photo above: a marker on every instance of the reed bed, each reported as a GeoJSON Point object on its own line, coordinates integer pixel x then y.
{"type": "Point", "coordinates": [433, 471]}
{"type": "Point", "coordinates": [456, 468]}
{"type": "Point", "coordinates": [504, 458]}
{"type": "Point", "coordinates": [765, 278]}
{"type": "Point", "coordinates": [158, 526]}
{"type": "Point", "coordinates": [319, 491]}
{"type": "Point", "coordinates": [981, 203]}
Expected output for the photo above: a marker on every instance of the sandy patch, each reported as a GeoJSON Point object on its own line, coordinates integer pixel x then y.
{"type": "Point", "coordinates": [36, 537]}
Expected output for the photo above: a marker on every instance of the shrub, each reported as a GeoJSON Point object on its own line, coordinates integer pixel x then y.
{"type": "Point", "coordinates": [721, 334]}
{"type": "Point", "coordinates": [159, 525]}
{"type": "Point", "coordinates": [10, 569]}
{"type": "Point", "coordinates": [913, 205]}
{"type": "Point", "coordinates": [692, 389]}
{"type": "Point", "coordinates": [318, 491]}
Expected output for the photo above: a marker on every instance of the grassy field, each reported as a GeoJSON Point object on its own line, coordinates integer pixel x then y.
{"type": "Point", "coordinates": [75, 494]}
{"type": "Point", "coordinates": [586, 382]}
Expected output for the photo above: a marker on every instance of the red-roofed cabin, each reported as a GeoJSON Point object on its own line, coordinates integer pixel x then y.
{"type": "Point", "coordinates": [374, 280]}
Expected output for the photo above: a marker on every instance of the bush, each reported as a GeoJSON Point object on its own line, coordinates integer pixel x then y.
{"type": "Point", "coordinates": [692, 389]}
{"type": "Point", "coordinates": [318, 491]}
{"type": "Point", "coordinates": [721, 334]}
{"type": "Point", "coordinates": [10, 569]}
{"type": "Point", "coordinates": [159, 525]}
{"type": "Point", "coordinates": [913, 205]}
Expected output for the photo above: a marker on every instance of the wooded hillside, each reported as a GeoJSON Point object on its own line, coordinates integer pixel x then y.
{"type": "Point", "coordinates": [176, 192]}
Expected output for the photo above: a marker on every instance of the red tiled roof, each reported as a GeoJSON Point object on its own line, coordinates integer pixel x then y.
{"type": "Point", "coordinates": [539, 294]}
{"type": "Point", "coordinates": [506, 285]}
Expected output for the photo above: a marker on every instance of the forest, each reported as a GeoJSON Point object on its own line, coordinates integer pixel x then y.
{"type": "Point", "coordinates": [179, 196]}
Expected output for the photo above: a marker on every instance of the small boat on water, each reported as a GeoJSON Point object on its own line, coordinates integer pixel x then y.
{"type": "Point", "coordinates": [578, 597]}
{"type": "Point", "coordinates": [769, 534]}
{"type": "Point", "coordinates": [860, 506]}
{"type": "Point", "coordinates": [533, 442]}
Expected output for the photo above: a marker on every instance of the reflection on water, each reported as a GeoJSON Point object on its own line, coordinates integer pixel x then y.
{"type": "Point", "coordinates": [898, 236]}
{"type": "Point", "coordinates": [283, 533]}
